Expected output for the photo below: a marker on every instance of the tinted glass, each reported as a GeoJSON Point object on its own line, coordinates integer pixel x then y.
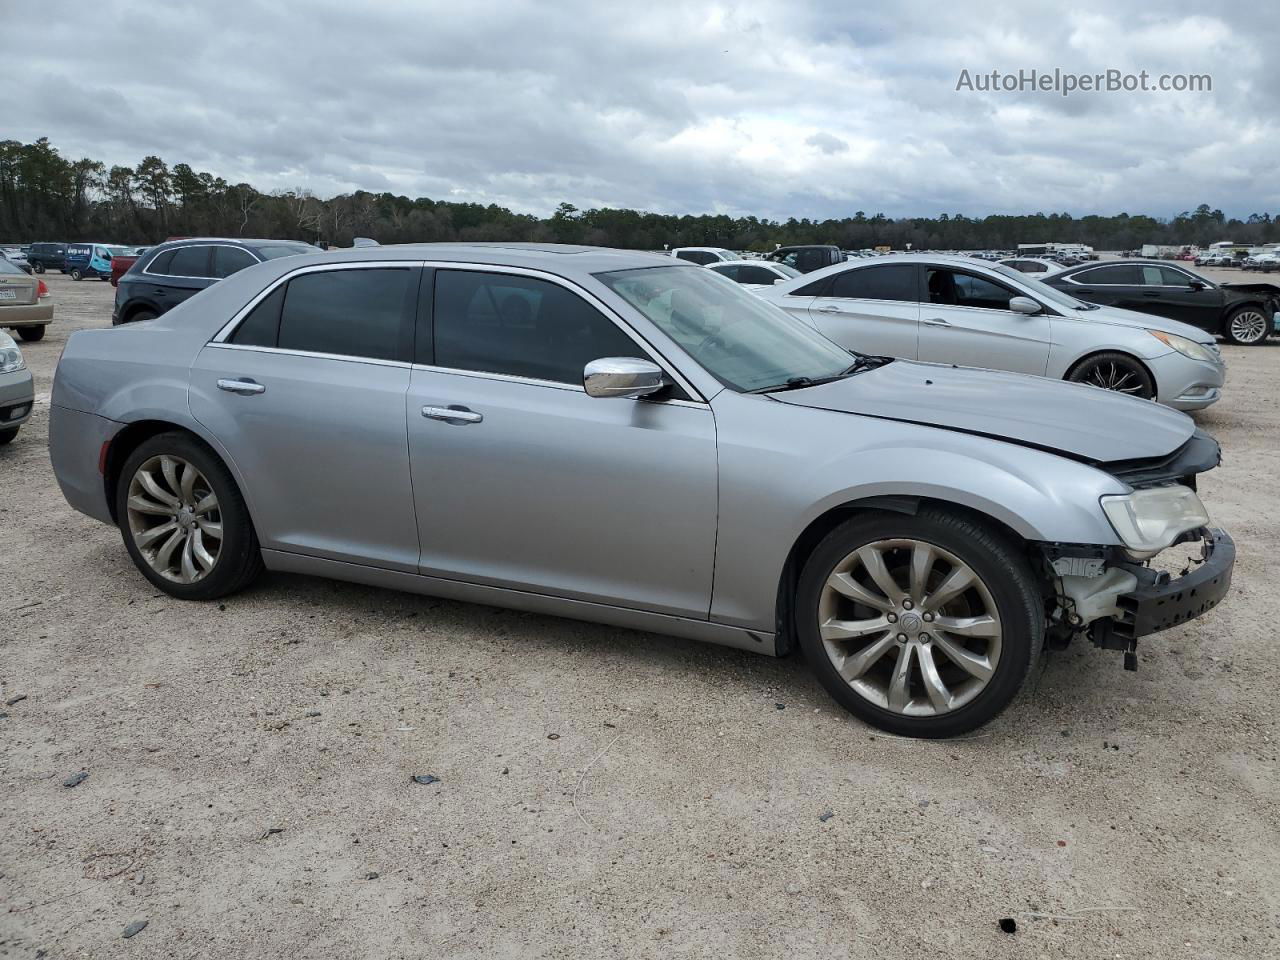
{"type": "Point", "coordinates": [736, 336]}
{"type": "Point", "coordinates": [1122, 274]}
{"type": "Point", "coordinates": [162, 262]}
{"type": "Point", "coordinates": [729, 270]}
{"type": "Point", "coordinates": [966, 290]}
{"type": "Point", "coordinates": [697, 256]}
{"type": "Point", "coordinates": [1174, 278]}
{"type": "Point", "coordinates": [818, 288]}
{"type": "Point", "coordinates": [189, 262]}
{"type": "Point", "coordinates": [897, 282]}
{"type": "Point", "coordinates": [754, 274]}
{"type": "Point", "coordinates": [261, 326]}
{"type": "Point", "coordinates": [227, 260]}
{"type": "Point", "coordinates": [354, 313]}
{"type": "Point", "coordinates": [522, 327]}
{"type": "Point", "coordinates": [275, 250]}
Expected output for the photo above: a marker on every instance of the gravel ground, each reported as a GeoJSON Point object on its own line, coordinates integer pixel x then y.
{"type": "Point", "coordinates": [603, 792]}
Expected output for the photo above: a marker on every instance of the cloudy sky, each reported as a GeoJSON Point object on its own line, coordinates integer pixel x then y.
{"type": "Point", "coordinates": [774, 108]}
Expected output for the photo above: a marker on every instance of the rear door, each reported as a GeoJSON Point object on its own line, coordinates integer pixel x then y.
{"type": "Point", "coordinates": [169, 280]}
{"type": "Point", "coordinates": [307, 397]}
{"type": "Point", "coordinates": [967, 321]}
{"type": "Point", "coordinates": [873, 310]}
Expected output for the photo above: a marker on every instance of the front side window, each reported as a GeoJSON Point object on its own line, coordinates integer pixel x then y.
{"type": "Point", "coordinates": [951, 288]}
{"type": "Point", "coordinates": [753, 274]}
{"type": "Point", "coordinates": [897, 282]}
{"type": "Point", "coordinates": [522, 327]}
{"type": "Point", "coordinates": [229, 260]}
{"type": "Point", "coordinates": [352, 313]}
{"type": "Point", "coordinates": [744, 342]}
{"type": "Point", "coordinates": [189, 262]}
{"type": "Point", "coordinates": [730, 270]}
{"type": "Point", "coordinates": [1174, 278]}
{"type": "Point", "coordinates": [697, 256]}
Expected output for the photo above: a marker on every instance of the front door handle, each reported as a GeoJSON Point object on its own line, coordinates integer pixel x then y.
{"type": "Point", "coordinates": [830, 309]}
{"type": "Point", "coordinates": [454, 414]}
{"type": "Point", "coordinates": [936, 322]}
{"type": "Point", "coordinates": [246, 388]}
{"type": "Point", "coordinates": [1150, 293]}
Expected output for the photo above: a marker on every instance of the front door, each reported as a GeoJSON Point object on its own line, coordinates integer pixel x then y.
{"type": "Point", "coordinates": [536, 486]}
{"type": "Point", "coordinates": [307, 397]}
{"type": "Point", "coordinates": [967, 321]}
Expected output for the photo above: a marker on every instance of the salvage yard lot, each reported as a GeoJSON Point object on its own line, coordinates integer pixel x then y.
{"type": "Point", "coordinates": [608, 792]}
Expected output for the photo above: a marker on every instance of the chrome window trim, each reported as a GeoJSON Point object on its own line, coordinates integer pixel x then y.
{"type": "Point", "coordinates": [375, 361]}
{"type": "Point", "coordinates": [220, 338]}
{"type": "Point", "coordinates": [182, 276]}
{"type": "Point", "coordinates": [536, 382]}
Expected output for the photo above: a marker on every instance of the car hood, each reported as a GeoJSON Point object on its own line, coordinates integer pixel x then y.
{"type": "Point", "coordinates": [1084, 423]}
{"type": "Point", "coordinates": [1242, 291]}
{"type": "Point", "coordinates": [1144, 321]}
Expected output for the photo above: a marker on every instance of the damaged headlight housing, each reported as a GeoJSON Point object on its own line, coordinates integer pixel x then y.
{"type": "Point", "coordinates": [10, 356]}
{"type": "Point", "coordinates": [1149, 520]}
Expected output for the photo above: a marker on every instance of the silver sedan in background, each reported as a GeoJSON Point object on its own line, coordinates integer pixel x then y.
{"type": "Point", "coordinates": [949, 309]}
{"type": "Point", "coordinates": [625, 438]}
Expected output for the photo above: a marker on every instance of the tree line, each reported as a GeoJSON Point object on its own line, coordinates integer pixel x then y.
{"type": "Point", "coordinates": [45, 196]}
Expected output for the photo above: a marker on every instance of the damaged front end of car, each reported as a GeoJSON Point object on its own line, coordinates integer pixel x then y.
{"type": "Point", "coordinates": [1114, 595]}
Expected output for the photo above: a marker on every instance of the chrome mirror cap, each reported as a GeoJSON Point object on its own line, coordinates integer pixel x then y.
{"type": "Point", "coordinates": [1024, 305]}
{"type": "Point", "coordinates": [622, 377]}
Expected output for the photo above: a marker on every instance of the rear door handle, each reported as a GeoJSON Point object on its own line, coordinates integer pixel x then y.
{"type": "Point", "coordinates": [830, 309]}
{"type": "Point", "coordinates": [454, 414]}
{"type": "Point", "coordinates": [246, 388]}
{"type": "Point", "coordinates": [1150, 293]}
{"type": "Point", "coordinates": [936, 322]}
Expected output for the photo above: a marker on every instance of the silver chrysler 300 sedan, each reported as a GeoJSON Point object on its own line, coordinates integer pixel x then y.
{"type": "Point", "coordinates": [614, 436]}
{"type": "Point", "coordinates": [949, 309]}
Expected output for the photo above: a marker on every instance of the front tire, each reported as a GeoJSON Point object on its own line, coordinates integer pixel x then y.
{"type": "Point", "coordinates": [1247, 326]}
{"type": "Point", "coordinates": [7, 436]}
{"type": "Point", "coordinates": [76, 274]}
{"type": "Point", "coordinates": [32, 333]}
{"type": "Point", "coordinates": [38, 267]}
{"type": "Point", "coordinates": [1115, 371]}
{"type": "Point", "coordinates": [924, 626]}
{"type": "Point", "coordinates": [184, 521]}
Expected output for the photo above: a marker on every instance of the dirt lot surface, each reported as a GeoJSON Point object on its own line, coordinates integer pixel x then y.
{"type": "Point", "coordinates": [604, 793]}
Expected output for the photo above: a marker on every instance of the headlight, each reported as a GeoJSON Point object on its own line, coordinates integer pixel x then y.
{"type": "Point", "coordinates": [1188, 348]}
{"type": "Point", "coordinates": [10, 355]}
{"type": "Point", "coordinates": [1147, 521]}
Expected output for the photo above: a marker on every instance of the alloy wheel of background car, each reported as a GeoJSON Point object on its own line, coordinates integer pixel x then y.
{"type": "Point", "coordinates": [910, 627]}
{"type": "Point", "coordinates": [1247, 327]}
{"type": "Point", "coordinates": [38, 267]}
{"type": "Point", "coordinates": [1117, 372]}
{"type": "Point", "coordinates": [75, 273]}
{"type": "Point", "coordinates": [175, 519]}
{"type": "Point", "coordinates": [924, 625]}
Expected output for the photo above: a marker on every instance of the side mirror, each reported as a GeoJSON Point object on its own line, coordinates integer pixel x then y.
{"type": "Point", "coordinates": [1024, 305]}
{"type": "Point", "coordinates": [1196, 285]}
{"type": "Point", "coordinates": [622, 377]}
{"type": "Point", "coordinates": [779, 280]}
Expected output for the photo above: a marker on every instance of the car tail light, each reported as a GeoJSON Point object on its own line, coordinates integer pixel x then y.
{"type": "Point", "coordinates": [42, 290]}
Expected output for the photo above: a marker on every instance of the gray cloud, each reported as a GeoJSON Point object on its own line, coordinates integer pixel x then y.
{"type": "Point", "coordinates": [774, 108]}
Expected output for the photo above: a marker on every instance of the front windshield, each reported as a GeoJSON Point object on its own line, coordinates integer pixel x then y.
{"type": "Point", "coordinates": [791, 272]}
{"type": "Point", "coordinates": [744, 342]}
{"type": "Point", "coordinates": [1043, 290]}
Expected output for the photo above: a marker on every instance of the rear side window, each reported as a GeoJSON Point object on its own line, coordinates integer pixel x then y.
{"type": "Point", "coordinates": [1122, 274]}
{"type": "Point", "coordinates": [189, 262]}
{"type": "Point", "coordinates": [162, 262]}
{"type": "Point", "coordinates": [229, 260]}
{"type": "Point", "coordinates": [261, 327]}
{"type": "Point", "coordinates": [896, 282]}
{"type": "Point", "coordinates": [352, 313]}
{"type": "Point", "coordinates": [520, 326]}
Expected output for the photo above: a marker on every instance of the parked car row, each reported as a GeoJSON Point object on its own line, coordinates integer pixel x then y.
{"type": "Point", "coordinates": [921, 530]}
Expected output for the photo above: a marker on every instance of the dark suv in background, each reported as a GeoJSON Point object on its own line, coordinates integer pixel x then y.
{"type": "Point", "coordinates": [167, 274]}
{"type": "Point", "coordinates": [47, 256]}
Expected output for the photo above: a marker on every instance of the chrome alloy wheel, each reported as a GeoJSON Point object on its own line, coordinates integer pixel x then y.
{"type": "Point", "coordinates": [1113, 376]}
{"type": "Point", "coordinates": [910, 627]}
{"type": "Point", "coordinates": [1249, 326]}
{"type": "Point", "coordinates": [174, 519]}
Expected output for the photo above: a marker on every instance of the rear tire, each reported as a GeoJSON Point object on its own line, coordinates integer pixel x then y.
{"type": "Point", "coordinates": [1115, 371]}
{"type": "Point", "coordinates": [968, 648]}
{"type": "Point", "coordinates": [141, 316]}
{"type": "Point", "coordinates": [1247, 326]}
{"type": "Point", "coordinates": [155, 480]}
{"type": "Point", "coordinates": [32, 333]}
{"type": "Point", "coordinates": [76, 274]}
{"type": "Point", "coordinates": [38, 267]}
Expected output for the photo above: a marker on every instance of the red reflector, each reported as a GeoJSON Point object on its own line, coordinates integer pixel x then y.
{"type": "Point", "coordinates": [42, 290]}
{"type": "Point", "coordinates": [102, 457]}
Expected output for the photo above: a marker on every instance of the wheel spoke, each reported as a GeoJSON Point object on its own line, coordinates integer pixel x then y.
{"type": "Point", "coordinates": [846, 586]}
{"type": "Point", "coordinates": [210, 529]}
{"type": "Point", "coordinates": [188, 483]}
{"type": "Point", "coordinates": [200, 553]}
{"type": "Point", "coordinates": [207, 502]}
{"type": "Point", "coordinates": [855, 665]}
{"type": "Point", "coordinates": [899, 689]}
{"type": "Point", "coordinates": [142, 505]}
{"type": "Point", "coordinates": [164, 556]}
{"type": "Point", "coordinates": [938, 693]}
{"type": "Point", "coordinates": [152, 487]}
{"type": "Point", "coordinates": [958, 580]}
{"type": "Point", "coordinates": [169, 469]}
{"type": "Point", "coordinates": [853, 629]}
{"type": "Point", "coordinates": [187, 562]}
{"type": "Point", "coordinates": [873, 560]}
{"type": "Point", "coordinates": [147, 537]}
{"type": "Point", "coordinates": [922, 558]}
{"type": "Point", "coordinates": [971, 663]}
{"type": "Point", "coordinates": [967, 626]}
